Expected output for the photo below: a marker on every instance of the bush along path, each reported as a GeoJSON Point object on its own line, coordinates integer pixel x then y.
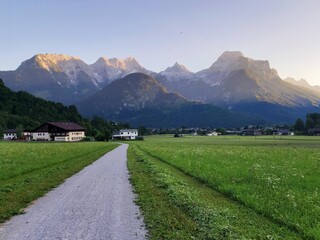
{"type": "Point", "coordinates": [96, 203]}
{"type": "Point", "coordinates": [177, 206]}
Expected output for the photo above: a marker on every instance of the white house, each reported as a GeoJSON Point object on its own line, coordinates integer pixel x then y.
{"type": "Point", "coordinates": [58, 131]}
{"type": "Point", "coordinates": [125, 134]}
{"type": "Point", "coordinates": [9, 134]}
{"type": "Point", "coordinates": [212, 134]}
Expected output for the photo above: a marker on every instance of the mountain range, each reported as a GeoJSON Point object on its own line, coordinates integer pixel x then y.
{"type": "Point", "coordinates": [233, 82]}
{"type": "Point", "coordinates": [234, 79]}
{"type": "Point", "coordinates": [141, 100]}
{"type": "Point", "coordinates": [244, 85]}
{"type": "Point", "coordinates": [67, 79]}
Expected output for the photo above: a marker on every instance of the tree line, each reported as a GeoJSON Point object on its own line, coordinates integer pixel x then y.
{"type": "Point", "coordinates": [310, 126]}
{"type": "Point", "coordinates": [21, 110]}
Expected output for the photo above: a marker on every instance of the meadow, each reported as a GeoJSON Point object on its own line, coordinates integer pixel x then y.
{"type": "Point", "coordinates": [29, 170]}
{"type": "Point", "coordinates": [269, 185]}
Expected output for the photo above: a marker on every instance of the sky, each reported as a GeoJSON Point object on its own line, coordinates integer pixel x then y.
{"type": "Point", "coordinates": [160, 33]}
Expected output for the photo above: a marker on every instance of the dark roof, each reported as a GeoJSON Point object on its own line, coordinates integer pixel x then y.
{"type": "Point", "coordinates": [64, 126]}
{"type": "Point", "coordinates": [10, 131]}
{"type": "Point", "coordinates": [69, 126]}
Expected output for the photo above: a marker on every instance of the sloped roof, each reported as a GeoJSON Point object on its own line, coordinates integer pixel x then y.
{"type": "Point", "coordinates": [10, 131]}
{"type": "Point", "coordinates": [128, 130]}
{"type": "Point", "coordinates": [68, 126]}
{"type": "Point", "coordinates": [65, 126]}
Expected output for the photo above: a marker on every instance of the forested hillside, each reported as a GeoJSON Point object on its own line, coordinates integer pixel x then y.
{"type": "Point", "coordinates": [23, 110]}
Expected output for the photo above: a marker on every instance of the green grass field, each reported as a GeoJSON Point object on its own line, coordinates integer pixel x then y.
{"type": "Point", "coordinates": [267, 187]}
{"type": "Point", "coordinates": [29, 170]}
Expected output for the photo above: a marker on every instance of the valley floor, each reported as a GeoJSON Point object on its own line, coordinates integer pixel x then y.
{"type": "Point", "coordinates": [228, 187]}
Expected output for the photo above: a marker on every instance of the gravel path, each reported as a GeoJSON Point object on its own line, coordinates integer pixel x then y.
{"type": "Point", "coordinates": [97, 203]}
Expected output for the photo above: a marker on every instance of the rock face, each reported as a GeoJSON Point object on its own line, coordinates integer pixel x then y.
{"type": "Point", "coordinates": [67, 79]}
{"type": "Point", "coordinates": [233, 79]}
{"type": "Point", "coordinates": [108, 69]}
{"type": "Point", "coordinates": [242, 84]}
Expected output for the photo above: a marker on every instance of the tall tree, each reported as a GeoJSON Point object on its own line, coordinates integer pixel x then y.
{"type": "Point", "coordinates": [299, 125]}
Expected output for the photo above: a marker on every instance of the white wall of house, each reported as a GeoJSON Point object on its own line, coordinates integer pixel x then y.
{"type": "Point", "coordinates": [76, 136]}
{"type": "Point", "coordinates": [68, 137]}
{"type": "Point", "coordinates": [61, 138]}
{"type": "Point", "coordinates": [40, 136]}
{"type": "Point", "coordinates": [9, 136]}
{"type": "Point", "coordinates": [127, 134]}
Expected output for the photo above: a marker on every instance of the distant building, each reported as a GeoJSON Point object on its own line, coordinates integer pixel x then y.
{"type": "Point", "coordinates": [251, 132]}
{"type": "Point", "coordinates": [10, 134]}
{"type": "Point", "coordinates": [212, 134]}
{"type": "Point", "coordinates": [26, 135]}
{"type": "Point", "coordinates": [128, 134]}
{"type": "Point", "coordinates": [58, 131]}
{"type": "Point", "coordinates": [285, 132]}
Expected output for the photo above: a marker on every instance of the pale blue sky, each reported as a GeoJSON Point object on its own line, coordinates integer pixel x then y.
{"type": "Point", "coordinates": [159, 33]}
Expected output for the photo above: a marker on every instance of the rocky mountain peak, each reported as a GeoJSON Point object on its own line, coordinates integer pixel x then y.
{"type": "Point", "coordinates": [51, 62]}
{"type": "Point", "coordinates": [176, 71]}
{"type": "Point", "coordinates": [54, 57]}
{"type": "Point", "coordinates": [177, 68]}
{"type": "Point", "coordinates": [128, 64]}
{"type": "Point", "coordinates": [229, 62]}
{"type": "Point", "coordinates": [230, 55]}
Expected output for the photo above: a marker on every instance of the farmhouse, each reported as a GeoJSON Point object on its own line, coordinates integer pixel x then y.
{"type": "Point", "coordinates": [128, 134]}
{"type": "Point", "coordinates": [58, 131]}
{"type": "Point", "coordinates": [10, 134]}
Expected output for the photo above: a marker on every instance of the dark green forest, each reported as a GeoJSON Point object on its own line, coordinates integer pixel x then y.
{"type": "Point", "coordinates": [311, 126]}
{"type": "Point", "coordinates": [22, 110]}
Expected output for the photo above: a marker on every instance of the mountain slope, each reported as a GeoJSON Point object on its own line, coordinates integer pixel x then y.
{"type": "Point", "coordinates": [142, 100]}
{"type": "Point", "coordinates": [133, 92]}
{"type": "Point", "coordinates": [57, 78]}
{"type": "Point", "coordinates": [302, 83]}
{"type": "Point", "coordinates": [23, 108]}
{"type": "Point", "coordinates": [66, 79]}
{"type": "Point", "coordinates": [235, 81]}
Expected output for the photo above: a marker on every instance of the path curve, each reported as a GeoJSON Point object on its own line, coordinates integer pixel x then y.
{"type": "Point", "coordinates": [96, 203]}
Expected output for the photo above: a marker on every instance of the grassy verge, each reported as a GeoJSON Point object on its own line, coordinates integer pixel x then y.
{"type": "Point", "coordinates": [29, 170]}
{"type": "Point", "coordinates": [177, 206]}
